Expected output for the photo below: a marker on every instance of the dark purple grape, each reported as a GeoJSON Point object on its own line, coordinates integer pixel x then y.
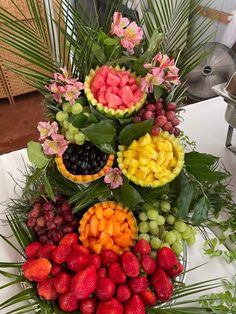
{"type": "Point", "coordinates": [58, 220]}
{"type": "Point", "coordinates": [67, 229]}
{"type": "Point", "coordinates": [65, 206]}
{"type": "Point", "coordinates": [75, 223]}
{"type": "Point", "coordinates": [49, 216]}
{"type": "Point", "coordinates": [57, 236]}
{"type": "Point", "coordinates": [50, 225]}
{"type": "Point", "coordinates": [50, 233]}
{"type": "Point", "coordinates": [68, 216]}
{"type": "Point", "coordinates": [43, 239]}
{"type": "Point", "coordinates": [47, 207]}
{"type": "Point", "coordinates": [137, 119]}
{"type": "Point", "coordinates": [177, 131]}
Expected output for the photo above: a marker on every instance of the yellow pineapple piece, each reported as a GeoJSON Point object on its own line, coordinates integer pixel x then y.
{"type": "Point", "coordinates": [130, 153]}
{"type": "Point", "coordinates": [150, 178]}
{"type": "Point", "coordinates": [131, 162]}
{"type": "Point", "coordinates": [154, 166]}
{"type": "Point", "coordinates": [148, 151]}
{"type": "Point", "coordinates": [167, 160]}
{"type": "Point", "coordinates": [173, 162]}
{"type": "Point", "coordinates": [134, 145]}
{"type": "Point", "coordinates": [161, 157]}
{"type": "Point", "coordinates": [146, 170]}
{"type": "Point", "coordinates": [132, 170]}
{"type": "Point", "coordinates": [145, 140]}
{"type": "Point", "coordinates": [143, 160]}
{"type": "Point", "coordinates": [140, 174]}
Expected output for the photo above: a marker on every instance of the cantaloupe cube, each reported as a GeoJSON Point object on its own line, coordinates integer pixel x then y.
{"type": "Point", "coordinates": [99, 212]}
{"type": "Point", "coordinates": [109, 228]}
{"type": "Point", "coordinates": [117, 249]}
{"type": "Point", "coordinates": [102, 224]}
{"type": "Point", "coordinates": [145, 140]}
{"type": "Point", "coordinates": [97, 248]}
{"type": "Point", "coordinates": [94, 226]}
{"type": "Point", "coordinates": [108, 212]}
{"type": "Point", "coordinates": [123, 241]}
{"type": "Point", "coordinates": [116, 228]}
{"type": "Point", "coordinates": [120, 216]}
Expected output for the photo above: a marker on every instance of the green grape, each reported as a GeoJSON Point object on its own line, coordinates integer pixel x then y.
{"type": "Point", "coordinates": [170, 219]}
{"type": "Point", "coordinates": [187, 233]}
{"type": "Point", "coordinates": [63, 131]}
{"type": "Point", "coordinates": [191, 240]}
{"type": "Point", "coordinates": [69, 136]}
{"type": "Point", "coordinates": [164, 197]}
{"type": "Point", "coordinates": [73, 130]}
{"type": "Point", "coordinates": [79, 138]}
{"type": "Point", "coordinates": [152, 214]}
{"type": "Point", "coordinates": [144, 236]}
{"type": "Point", "coordinates": [77, 108]}
{"type": "Point", "coordinates": [153, 254]}
{"type": "Point", "coordinates": [165, 206]}
{"type": "Point", "coordinates": [164, 244]}
{"type": "Point", "coordinates": [66, 107]}
{"type": "Point", "coordinates": [170, 237]}
{"type": "Point", "coordinates": [163, 234]}
{"type": "Point", "coordinates": [194, 230]}
{"type": "Point", "coordinates": [143, 216]}
{"type": "Point", "coordinates": [177, 247]}
{"type": "Point", "coordinates": [66, 124]}
{"type": "Point", "coordinates": [61, 116]}
{"type": "Point", "coordinates": [178, 235]}
{"type": "Point", "coordinates": [153, 227]}
{"type": "Point", "coordinates": [143, 227]}
{"type": "Point", "coordinates": [155, 243]}
{"type": "Point", "coordinates": [160, 220]}
{"type": "Point", "coordinates": [148, 206]}
{"type": "Point", "coordinates": [180, 226]}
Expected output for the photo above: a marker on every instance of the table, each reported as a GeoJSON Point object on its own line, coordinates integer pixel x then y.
{"type": "Point", "coordinates": [204, 123]}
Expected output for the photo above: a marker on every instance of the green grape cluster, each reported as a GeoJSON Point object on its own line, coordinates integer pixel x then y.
{"type": "Point", "coordinates": [71, 133]}
{"type": "Point", "coordinates": [160, 227]}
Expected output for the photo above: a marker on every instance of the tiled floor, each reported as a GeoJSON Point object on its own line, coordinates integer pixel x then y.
{"type": "Point", "coordinates": [18, 122]}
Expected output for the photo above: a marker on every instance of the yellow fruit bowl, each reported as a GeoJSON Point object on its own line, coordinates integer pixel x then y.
{"type": "Point", "coordinates": [152, 161]}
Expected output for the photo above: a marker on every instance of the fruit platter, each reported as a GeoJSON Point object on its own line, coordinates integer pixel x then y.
{"type": "Point", "coordinates": [115, 192]}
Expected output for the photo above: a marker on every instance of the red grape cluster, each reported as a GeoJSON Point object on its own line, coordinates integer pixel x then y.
{"type": "Point", "coordinates": [52, 220]}
{"type": "Point", "coordinates": [162, 119]}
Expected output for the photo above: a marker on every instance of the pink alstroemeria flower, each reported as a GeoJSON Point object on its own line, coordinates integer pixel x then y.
{"type": "Point", "coordinates": [57, 146]}
{"type": "Point", "coordinates": [118, 24]}
{"type": "Point", "coordinates": [155, 78]}
{"type": "Point", "coordinates": [57, 91]}
{"type": "Point", "coordinates": [73, 92]}
{"type": "Point", "coordinates": [132, 37]}
{"type": "Point", "coordinates": [46, 129]}
{"type": "Point", "coordinates": [113, 178]}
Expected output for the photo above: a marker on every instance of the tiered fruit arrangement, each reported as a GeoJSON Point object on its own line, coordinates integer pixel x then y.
{"type": "Point", "coordinates": [161, 228]}
{"type": "Point", "coordinates": [152, 161]}
{"type": "Point", "coordinates": [114, 91]}
{"type": "Point", "coordinates": [107, 283]}
{"type": "Point", "coordinates": [72, 134]}
{"type": "Point", "coordinates": [108, 225]}
{"type": "Point", "coordinates": [84, 163]}
{"type": "Point", "coordinates": [50, 220]}
{"type": "Point", "coordinates": [164, 117]}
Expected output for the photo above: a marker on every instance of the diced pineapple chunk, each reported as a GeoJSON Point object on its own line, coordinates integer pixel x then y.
{"type": "Point", "coordinates": [150, 152]}
{"type": "Point", "coordinates": [131, 162]}
{"type": "Point", "coordinates": [146, 170]}
{"type": "Point", "coordinates": [167, 160]}
{"type": "Point", "coordinates": [154, 166]}
{"type": "Point", "coordinates": [173, 162]}
{"type": "Point", "coordinates": [145, 140]}
{"type": "Point", "coordinates": [140, 174]}
{"type": "Point", "coordinates": [134, 146]}
{"type": "Point", "coordinates": [132, 170]}
{"type": "Point", "coordinates": [130, 153]}
{"type": "Point", "coordinates": [143, 160]}
{"type": "Point", "coordinates": [161, 157]}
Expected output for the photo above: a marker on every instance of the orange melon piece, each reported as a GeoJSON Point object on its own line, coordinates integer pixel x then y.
{"type": "Point", "coordinates": [108, 212]}
{"type": "Point", "coordinates": [123, 241]}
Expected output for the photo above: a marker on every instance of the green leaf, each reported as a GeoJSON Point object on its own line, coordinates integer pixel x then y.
{"type": "Point", "coordinates": [98, 53]}
{"type": "Point", "coordinates": [79, 120]}
{"type": "Point", "coordinates": [32, 178]}
{"type": "Point", "coordinates": [204, 174]}
{"type": "Point", "coordinates": [36, 154]}
{"type": "Point", "coordinates": [127, 195]}
{"type": "Point", "coordinates": [48, 189]}
{"type": "Point", "coordinates": [158, 91]}
{"type": "Point", "coordinates": [100, 133]}
{"type": "Point", "coordinates": [200, 211]}
{"type": "Point", "coordinates": [155, 40]}
{"type": "Point", "coordinates": [196, 158]}
{"type": "Point", "coordinates": [186, 196]}
{"type": "Point", "coordinates": [111, 41]}
{"type": "Point", "coordinates": [134, 131]}
{"type": "Point", "coordinates": [108, 148]}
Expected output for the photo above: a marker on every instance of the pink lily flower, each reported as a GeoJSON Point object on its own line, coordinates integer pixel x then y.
{"type": "Point", "coordinates": [152, 79]}
{"type": "Point", "coordinates": [132, 37]}
{"type": "Point", "coordinates": [46, 129]}
{"type": "Point", "coordinates": [113, 178]}
{"type": "Point", "coordinates": [57, 146]}
{"type": "Point", "coordinates": [72, 93]}
{"type": "Point", "coordinates": [118, 24]}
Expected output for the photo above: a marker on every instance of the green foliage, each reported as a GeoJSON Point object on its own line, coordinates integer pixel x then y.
{"type": "Point", "coordinates": [36, 155]}
{"type": "Point", "coordinates": [212, 248]}
{"type": "Point", "coordinates": [100, 133]}
{"type": "Point", "coordinates": [127, 195]}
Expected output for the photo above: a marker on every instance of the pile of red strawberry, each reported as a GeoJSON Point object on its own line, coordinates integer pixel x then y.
{"type": "Point", "coordinates": [115, 89]}
{"type": "Point", "coordinates": [102, 284]}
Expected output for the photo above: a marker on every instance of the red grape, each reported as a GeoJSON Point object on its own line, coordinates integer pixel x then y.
{"type": "Point", "coordinates": [35, 211]}
{"type": "Point", "coordinates": [160, 120]}
{"type": "Point", "coordinates": [155, 131]}
{"type": "Point", "coordinates": [49, 216]}
{"type": "Point", "coordinates": [51, 225]}
{"type": "Point", "coordinates": [151, 107]}
{"type": "Point", "coordinates": [167, 126]}
{"type": "Point", "coordinates": [141, 112]}
{"type": "Point", "coordinates": [68, 216]}
{"type": "Point", "coordinates": [175, 122]}
{"type": "Point", "coordinates": [58, 220]}
{"type": "Point", "coordinates": [137, 119]}
{"type": "Point", "coordinates": [170, 115]}
{"type": "Point", "coordinates": [31, 222]}
{"type": "Point", "coordinates": [41, 221]}
{"type": "Point", "coordinates": [57, 236]}
{"type": "Point", "coordinates": [159, 106]}
{"type": "Point", "coordinates": [172, 130]}
{"type": "Point", "coordinates": [160, 112]}
{"type": "Point", "coordinates": [67, 229]}
{"type": "Point", "coordinates": [171, 106]}
{"type": "Point", "coordinates": [47, 206]}
{"type": "Point", "coordinates": [65, 206]}
{"type": "Point", "coordinates": [148, 115]}
{"type": "Point", "coordinates": [177, 131]}
{"type": "Point", "coordinates": [43, 239]}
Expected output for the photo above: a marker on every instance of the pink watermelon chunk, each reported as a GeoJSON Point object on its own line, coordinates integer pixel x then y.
{"type": "Point", "coordinates": [113, 99]}
{"type": "Point", "coordinates": [133, 87]}
{"type": "Point", "coordinates": [132, 80]}
{"type": "Point", "coordinates": [114, 90]}
{"type": "Point", "coordinates": [137, 95]}
{"type": "Point", "coordinates": [104, 70]}
{"type": "Point", "coordinates": [102, 98]}
{"type": "Point", "coordinates": [113, 79]}
{"type": "Point", "coordinates": [97, 82]}
{"type": "Point", "coordinates": [126, 95]}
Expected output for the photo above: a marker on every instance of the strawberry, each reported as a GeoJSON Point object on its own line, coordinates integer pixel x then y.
{"type": "Point", "coordinates": [69, 239]}
{"type": "Point", "coordinates": [166, 258]}
{"type": "Point", "coordinates": [123, 293]}
{"type": "Point", "coordinates": [149, 297]}
{"type": "Point", "coordinates": [142, 246]}
{"type": "Point", "coordinates": [60, 254]}
{"type": "Point", "coordinates": [94, 259]}
{"type": "Point", "coordinates": [88, 306]}
{"type": "Point", "coordinates": [31, 249]}
{"type": "Point", "coordinates": [176, 270]}
{"type": "Point", "coordinates": [84, 282]}
{"type": "Point", "coordinates": [148, 263]}
{"type": "Point", "coordinates": [116, 273]}
{"type": "Point", "coordinates": [108, 257]}
{"type": "Point", "coordinates": [164, 289]}
{"type": "Point", "coordinates": [76, 262]}
{"type": "Point", "coordinates": [158, 276]}
{"type": "Point", "coordinates": [102, 272]}
{"type": "Point", "coordinates": [27, 263]}
{"type": "Point", "coordinates": [105, 288]}
{"type": "Point", "coordinates": [80, 249]}
{"type": "Point", "coordinates": [62, 282]}
{"type": "Point", "coordinates": [47, 290]}
{"type": "Point", "coordinates": [111, 306]}
{"type": "Point", "coordinates": [38, 270]}
{"type": "Point", "coordinates": [46, 251]}
{"type": "Point", "coordinates": [134, 305]}
{"type": "Point", "coordinates": [130, 264]}
{"type": "Point", "coordinates": [138, 284]}
{"type": "Point", "coordinates": [56, 269]}
{"type": "Point", "coordinates": [68, 302]}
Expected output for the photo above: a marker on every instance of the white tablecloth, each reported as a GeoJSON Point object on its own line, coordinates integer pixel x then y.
{"type": "Point", "coordinates": [204, 123]}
